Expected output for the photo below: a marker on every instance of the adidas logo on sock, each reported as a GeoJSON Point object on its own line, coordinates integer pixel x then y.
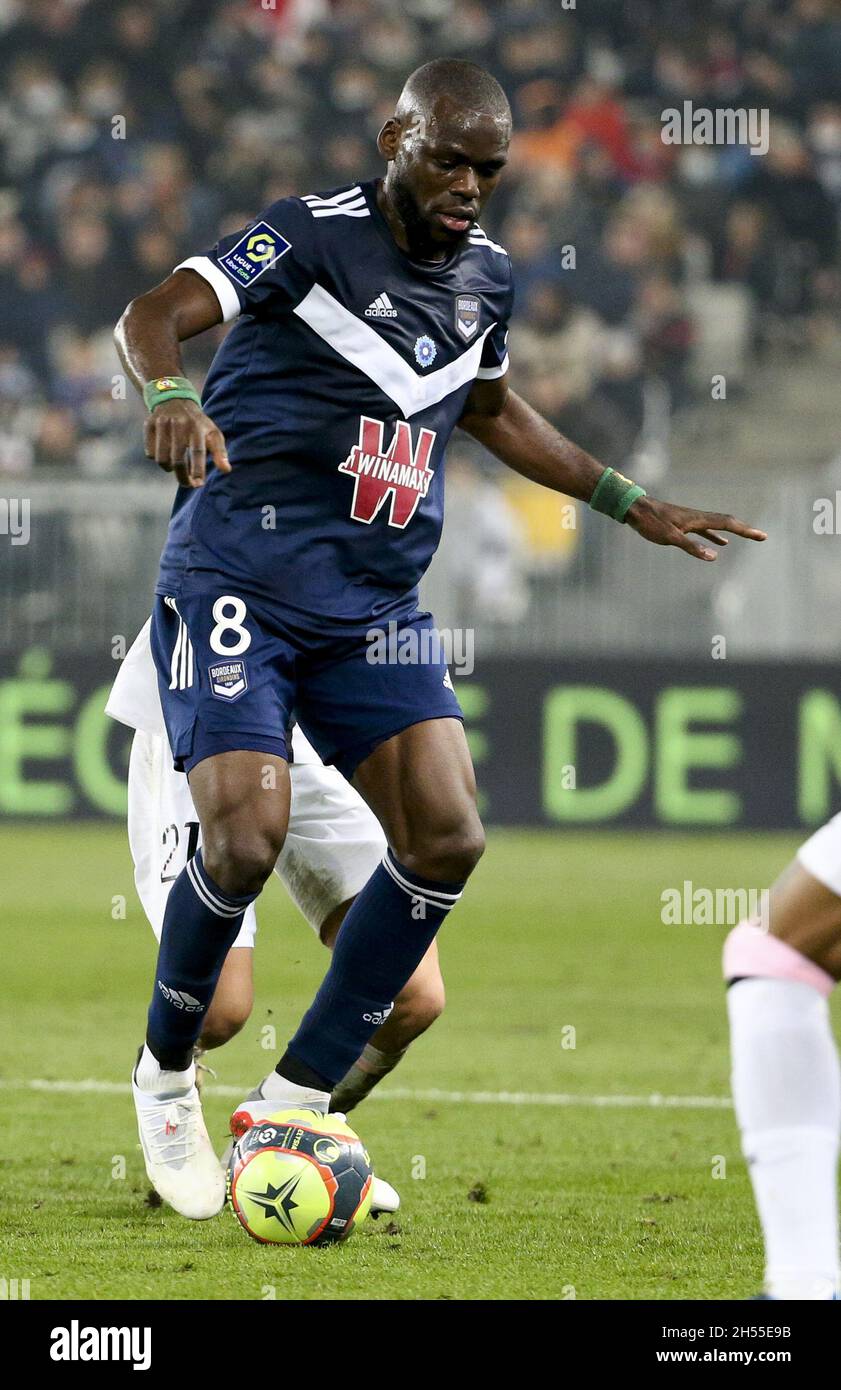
{"type": "Point", "coordinates": [378, 1016]}
{"type": "Point", "coordinates": [181, 999]}
{"type": "Point", "coordinates": [382, 308]}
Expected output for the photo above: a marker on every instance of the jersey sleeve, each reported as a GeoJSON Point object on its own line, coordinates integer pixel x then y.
{"type": "Point", "coordinates": [265, 267]}
{"type": "Point", "coordinates": [495, 362]}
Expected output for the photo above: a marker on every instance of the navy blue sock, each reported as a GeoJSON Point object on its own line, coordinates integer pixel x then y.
{"type": "Point", "coordinates": [380, 944]}
{"type": "Point", "coordinates": [200, 924]}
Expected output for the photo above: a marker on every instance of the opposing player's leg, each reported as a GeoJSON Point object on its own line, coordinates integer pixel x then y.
{"type": "Point", "coordinates": [231, 1005]}
{"type": "Point", "coordinates": [786, 1080]}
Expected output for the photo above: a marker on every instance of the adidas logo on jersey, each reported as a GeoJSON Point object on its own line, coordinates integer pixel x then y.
{"type": "Point", "coordinates": [382, 308]}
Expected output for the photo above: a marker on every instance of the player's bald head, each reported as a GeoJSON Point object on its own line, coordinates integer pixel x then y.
{"type": "Point", "coordinates": [452, 88]}
{"type": "Point", "coordinates": [446, 146]}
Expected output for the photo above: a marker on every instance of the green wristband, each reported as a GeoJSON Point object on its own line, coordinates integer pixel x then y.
{"type": "Point", "coordinates": [614, 494]}
{"type": "Point", "coordinates": [169, 388]}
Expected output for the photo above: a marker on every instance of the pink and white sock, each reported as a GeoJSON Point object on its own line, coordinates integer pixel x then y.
{"type": "Point", "coordinates": [787, 1095]}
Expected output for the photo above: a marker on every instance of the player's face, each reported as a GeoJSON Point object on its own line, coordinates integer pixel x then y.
{"type": "Point", "coordinates": [444, 173]}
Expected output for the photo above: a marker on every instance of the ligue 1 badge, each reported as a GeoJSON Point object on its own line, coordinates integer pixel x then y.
{"type": "Point", "coordinates": [258, 250]}
{"type": "Point", "coordinates": [425, 351]}
{"type": "Point", "coordinates": [468, 309]}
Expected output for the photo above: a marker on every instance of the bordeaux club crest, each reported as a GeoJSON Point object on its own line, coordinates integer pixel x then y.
{"type": "Point", "coordinates": [468, 310]}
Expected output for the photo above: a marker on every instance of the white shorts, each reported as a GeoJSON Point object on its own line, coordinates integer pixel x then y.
{"type": "Point", "coordinates": [333, 846]}
{"type": "Point", "coordinates": [821, 855]}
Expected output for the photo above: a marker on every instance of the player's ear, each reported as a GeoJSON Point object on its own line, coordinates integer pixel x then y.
{"type": "Point", "coordinates": [388, 140]}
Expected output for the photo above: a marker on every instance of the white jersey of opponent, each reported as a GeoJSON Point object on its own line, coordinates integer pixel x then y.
{"type": "Point", "coordinates": [333, 845]}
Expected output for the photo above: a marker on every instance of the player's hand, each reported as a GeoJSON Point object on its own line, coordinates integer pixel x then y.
{"type": "Point", "coordinates": [665, 524]}
{"type": "Point", "coordinates": [178, 436]}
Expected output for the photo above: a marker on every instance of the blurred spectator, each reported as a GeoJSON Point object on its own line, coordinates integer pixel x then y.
{"type": "Point", "coordinates": [485, 571]}
{"type": "Point", "coordinates": [564, 360]}
{"type": "Point", "coordinates": [133, 131]}
{"type": "Point", "coordinates": [57, 437]}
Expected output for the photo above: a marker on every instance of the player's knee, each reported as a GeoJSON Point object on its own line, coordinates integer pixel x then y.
{"type": "Point", "coordinates": [449, 853]}
{"type": "Point", "coordinates": [466, 853]}
{"type": "Point", "coordinates": [240, 860]}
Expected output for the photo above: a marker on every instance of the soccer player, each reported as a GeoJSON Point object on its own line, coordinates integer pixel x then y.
{"type": "Point", "coordinates": [786, 1079]}
{"type": "Point", "coordinates": [333, 845]}
{"type": "Point", "coordinates": [370, 322]}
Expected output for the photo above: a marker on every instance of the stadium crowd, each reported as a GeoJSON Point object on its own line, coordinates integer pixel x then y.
{"type": "Point", "coordinates": [132, 131]}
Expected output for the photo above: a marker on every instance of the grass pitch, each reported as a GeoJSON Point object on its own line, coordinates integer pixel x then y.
{"type": "Point", "coordinates": [558, 941]}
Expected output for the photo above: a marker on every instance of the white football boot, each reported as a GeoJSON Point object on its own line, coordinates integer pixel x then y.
{"type": "Point", "coordinates": [384, 1198]}
{"type": "Point", "coordinates": [180, 1162]}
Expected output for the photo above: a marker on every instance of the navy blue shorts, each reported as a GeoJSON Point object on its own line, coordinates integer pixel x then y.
{"type": "Point", "coordinates": [232, 672]}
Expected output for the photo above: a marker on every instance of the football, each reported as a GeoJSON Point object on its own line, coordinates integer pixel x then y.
{"type": "Point", "coordinates": [299, 1178]}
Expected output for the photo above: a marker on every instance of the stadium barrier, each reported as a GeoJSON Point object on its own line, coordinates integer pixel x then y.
{"type": "Point", "coordinates": [666, 744]}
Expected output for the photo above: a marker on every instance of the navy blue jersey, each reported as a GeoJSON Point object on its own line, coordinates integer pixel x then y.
{"type": "Point", "coordinates": [337, 389]}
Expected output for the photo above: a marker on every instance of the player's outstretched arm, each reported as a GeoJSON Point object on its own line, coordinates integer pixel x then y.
{"type": "Point", "coordinates": [178, 435]}
{"type": "Point", "coordinates": [521, 438]}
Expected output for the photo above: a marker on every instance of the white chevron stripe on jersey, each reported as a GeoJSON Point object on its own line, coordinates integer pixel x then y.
{"type": "Point", "coordinates": [316, 199]}
{"type": "Point", "coordinates": [358, 343]}
{"type": "Point", "coordinates": [494, 373]}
